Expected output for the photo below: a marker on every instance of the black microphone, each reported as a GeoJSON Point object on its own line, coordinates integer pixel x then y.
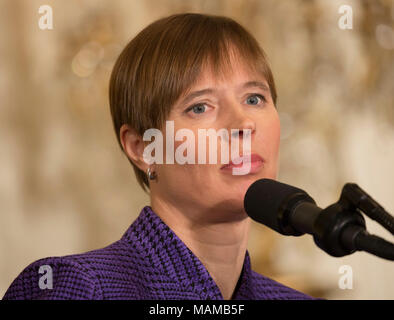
{"type": "Point", "coordinates": [339, 229]}
{"type": "Point", "coordinates": [275, 204]}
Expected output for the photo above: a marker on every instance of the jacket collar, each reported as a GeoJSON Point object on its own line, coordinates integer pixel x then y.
{"type": "Point", "coordinates": [168, 255]}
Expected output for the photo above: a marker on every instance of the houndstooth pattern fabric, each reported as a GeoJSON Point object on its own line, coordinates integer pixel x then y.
{"type": "Point", "coordinates": [148, 262]}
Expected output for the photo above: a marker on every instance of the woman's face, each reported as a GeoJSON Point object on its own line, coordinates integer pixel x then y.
{"type": "Point", "coordinates": [230, 105]}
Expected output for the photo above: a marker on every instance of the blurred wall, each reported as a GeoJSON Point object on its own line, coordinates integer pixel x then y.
{"type": "Point", "coordinates": [66, 188]}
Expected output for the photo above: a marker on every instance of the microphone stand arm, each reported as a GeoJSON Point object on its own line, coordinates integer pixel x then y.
{"type": "Point", "coordinates": [340, 229]}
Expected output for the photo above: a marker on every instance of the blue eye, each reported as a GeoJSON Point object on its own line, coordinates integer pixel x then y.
{"type": "Point", "coordinates": [197, 108]}
{"type": "Point", "coordinates": [257, 95]}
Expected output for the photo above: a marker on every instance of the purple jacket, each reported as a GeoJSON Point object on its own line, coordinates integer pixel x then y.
{"type": "Point", "coordinates": [148, 262]}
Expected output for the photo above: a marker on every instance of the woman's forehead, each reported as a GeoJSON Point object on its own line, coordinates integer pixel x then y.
{"type": "Point", "coordinates": [232, 70]}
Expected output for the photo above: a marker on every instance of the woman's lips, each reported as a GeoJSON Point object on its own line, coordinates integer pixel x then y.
{"type": "Point", "coordinates": [256, 162]}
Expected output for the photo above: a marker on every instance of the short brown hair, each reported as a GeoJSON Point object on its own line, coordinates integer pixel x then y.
{"type": "Point", "coordinates": [164, 60]}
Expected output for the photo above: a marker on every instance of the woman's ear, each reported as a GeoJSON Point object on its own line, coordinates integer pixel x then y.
{"type": "Point", "coordinates": [133, 145]}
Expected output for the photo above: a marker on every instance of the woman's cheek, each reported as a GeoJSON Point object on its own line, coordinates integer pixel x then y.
{"type": "Point", "coordinates": [272, 132]}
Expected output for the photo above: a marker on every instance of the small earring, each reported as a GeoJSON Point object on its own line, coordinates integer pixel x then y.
{"type": "Point", "coordinates": [151, 175]}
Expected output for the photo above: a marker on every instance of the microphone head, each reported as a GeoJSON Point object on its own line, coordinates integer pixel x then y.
{"type": "Point", "coordinates": [270, 202]}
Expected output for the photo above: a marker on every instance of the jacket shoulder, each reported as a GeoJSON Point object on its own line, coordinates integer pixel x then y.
{"type": "Point", "coordinates": [54, 278]}
{"type": "Point", "coordinates": [112, 272]}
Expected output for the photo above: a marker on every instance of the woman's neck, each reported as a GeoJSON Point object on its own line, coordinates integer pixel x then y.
{"type": "Point", "coordinates": [220, 246]}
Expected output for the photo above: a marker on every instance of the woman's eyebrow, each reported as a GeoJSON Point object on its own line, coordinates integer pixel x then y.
{"type": "Point", "coordinates": [196, 94]}
{"type": "Point", "coordinates": [258, 84]}
{"type": "Point", "coordinates": [248, 84]}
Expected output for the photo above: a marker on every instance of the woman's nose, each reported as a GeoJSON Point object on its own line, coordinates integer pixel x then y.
{"type": "Point", "coordinates": [240, 122]}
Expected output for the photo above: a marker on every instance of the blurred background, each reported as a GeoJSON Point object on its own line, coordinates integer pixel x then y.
{"type": "Point", "coordinates": [65, 186]}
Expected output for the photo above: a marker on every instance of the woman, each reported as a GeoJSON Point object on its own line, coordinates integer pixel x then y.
{"type": "Point", "coordinates": [195, 72]}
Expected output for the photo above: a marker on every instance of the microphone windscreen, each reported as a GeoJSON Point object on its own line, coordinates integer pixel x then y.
{"type": "Point", "coordinates": [266, 200]}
